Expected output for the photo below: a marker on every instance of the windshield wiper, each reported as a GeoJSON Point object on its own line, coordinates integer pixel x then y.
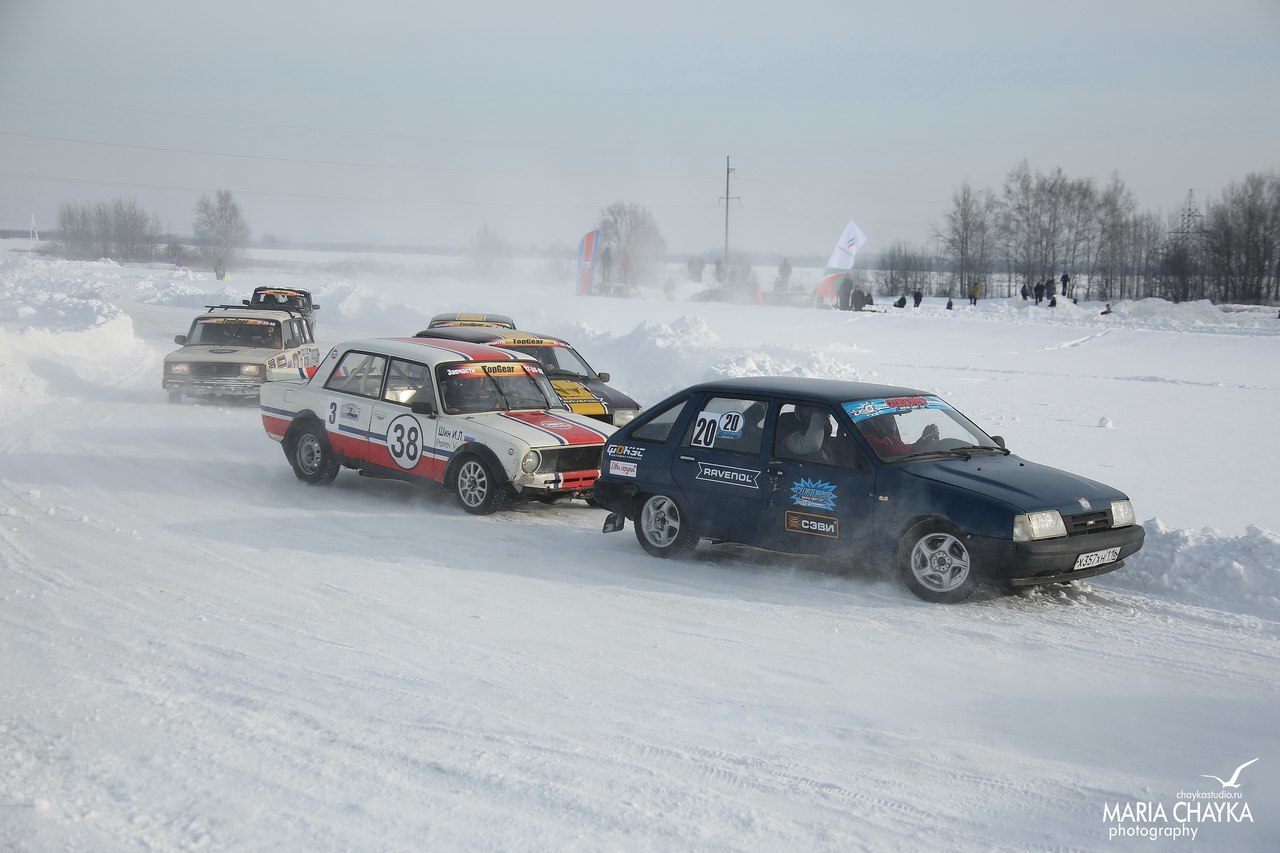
{"type": "Point", "coordinates": [506, 404]}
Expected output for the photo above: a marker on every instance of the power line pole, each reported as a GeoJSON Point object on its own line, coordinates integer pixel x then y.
{"type": "Point", "coordinates": [726, 197]}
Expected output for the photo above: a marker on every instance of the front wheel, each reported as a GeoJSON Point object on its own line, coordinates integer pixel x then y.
{"type": "Point", "coordinates": [477, 488]}
{"type": "Point", "coordinates": [663, 528]}
{"type": "Point", "coordinates": [935, 563]}
{"type": "Point", "coordinates": [313, 460]}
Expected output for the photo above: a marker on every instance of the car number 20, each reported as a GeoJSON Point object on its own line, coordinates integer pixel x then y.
{"type": "Point", "coordinates": [404, 441]}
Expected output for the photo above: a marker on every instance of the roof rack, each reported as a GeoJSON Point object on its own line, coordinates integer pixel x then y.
{"type": "Point", "coordinates": [284, 309]}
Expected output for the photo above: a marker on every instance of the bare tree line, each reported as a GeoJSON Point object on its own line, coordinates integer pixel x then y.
{"type": "Point", "coordinates": [120, 229]}
{"type": "Point", "coordinates": [1042, 224]}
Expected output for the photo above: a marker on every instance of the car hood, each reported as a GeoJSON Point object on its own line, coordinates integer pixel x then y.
{"type": "Point", "coordinates": [575, 390]}
{"type": "Point", "coordinates": [224, 353]}
{"type": "Point", "coordinates": [1029, 486]}
{"type": "Point", "coordinates": [545, 429]}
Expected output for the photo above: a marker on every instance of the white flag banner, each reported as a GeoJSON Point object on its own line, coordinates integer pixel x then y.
{"type": "Point", "coordinates": [850, 242]}
{"type": "Point", "coordinates": [841, 260]}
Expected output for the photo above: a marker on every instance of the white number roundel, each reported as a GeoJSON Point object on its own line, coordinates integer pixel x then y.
{"type": "Point", "coordinates": [404, 441]}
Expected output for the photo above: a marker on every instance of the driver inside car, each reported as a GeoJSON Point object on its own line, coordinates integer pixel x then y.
{"type": "Point", "coordinates": [881, 432]}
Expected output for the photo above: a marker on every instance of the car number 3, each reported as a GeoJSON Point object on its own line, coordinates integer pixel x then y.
{"type": "Point", "coordinates": [404, 441]}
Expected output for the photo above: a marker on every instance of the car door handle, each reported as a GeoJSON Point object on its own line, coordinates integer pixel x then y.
{"type": "Point", "coordinates": [382, 416]}
{"type": "Point", "coordinates": [686, 459]}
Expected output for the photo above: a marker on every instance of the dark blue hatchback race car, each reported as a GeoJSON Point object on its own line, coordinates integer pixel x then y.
{"type": "Point", "coordinates": [872, 474]}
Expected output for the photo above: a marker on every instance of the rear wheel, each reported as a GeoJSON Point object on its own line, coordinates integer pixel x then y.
{"type": "Point", "coordinates": [662, 527]}
{"type": "Point", "coordinates": [175, 396]}
{"type": "Point", "coordinates": [478, 490]}
{"type": "Point", "coordinates": [935, 563]}
{"type": "Point", "coordinates": [313, 460]}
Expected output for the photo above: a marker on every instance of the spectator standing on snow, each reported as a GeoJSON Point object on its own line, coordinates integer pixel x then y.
{"type": "Point", "coordinates": [859, 299]}
{"type": "Point", "coordinates": [1039, 291]}
{"type": "Point", "coordinates": [784, 274]}
{"type": "Point", "coordinates": [1025, 292]}
{"type": "Point", "coordinates": [975, 290]}
{"type": "Point", "coordinates": [950, 305]}
{"type": "Point", "coordinates": [219, 270]}
{"type": "Point", "coordinates": [915, 299]}
{"type": "Point", "coordinates": [1050, 288]}
{"type": "Point", "coordinates": [844, 294]}
{"type": "Point", "coordinates": [606, 265]}
{"type": "Point", "coordinates": [1066, 285]}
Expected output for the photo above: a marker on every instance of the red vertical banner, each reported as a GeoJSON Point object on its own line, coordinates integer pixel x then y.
{"type": "Point", "coordinates": [587, 262]}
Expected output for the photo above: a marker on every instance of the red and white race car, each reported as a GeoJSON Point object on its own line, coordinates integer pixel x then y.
{"type": "Point", "coordinates": [483, 421]}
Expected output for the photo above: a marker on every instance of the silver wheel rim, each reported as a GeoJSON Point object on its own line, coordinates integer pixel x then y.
{"type": "Point", "coordinates": [940, 562]}
{"type": "Point", "coordinates": [473, 483]}
{"type": "Point", "coordinates": [660, 520]}
{"type": "Point", "coordinates": [309, 453]}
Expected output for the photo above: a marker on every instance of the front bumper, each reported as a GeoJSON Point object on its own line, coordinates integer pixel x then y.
{"type": "Point", "coordinates": [214, 387]}
{"type": "Point", "coordinates": [1047, 561]}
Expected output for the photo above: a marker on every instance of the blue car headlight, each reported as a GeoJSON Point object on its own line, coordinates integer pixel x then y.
{"type": "Point", "coordinates": [1122, 514]}
{"type": "Point", "coordinates": [1046, 524]}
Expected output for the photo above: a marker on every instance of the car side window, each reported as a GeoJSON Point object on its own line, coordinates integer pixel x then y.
{"type": "Point", "coordinates": [358, 373]}
{"type": "Point", "coordinates": [658, 427]}
{"type": "Point", "coordinates": [731, 424]}
{"type": "Point", "coordinates": [407, 381]}
{"type": "Point", "coordinates": [812, 433]}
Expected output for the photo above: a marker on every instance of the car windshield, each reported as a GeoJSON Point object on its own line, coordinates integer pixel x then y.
{"type": "Point", "coordinates": [235, 332]}
{"type": "Point", "coordinates": [469, 387]}
{"type": "Point", "coordinates": [557, 361]}
{"type": "Point", "coordinates": [902, 428]}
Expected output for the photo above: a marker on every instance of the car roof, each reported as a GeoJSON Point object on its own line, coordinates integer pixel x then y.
{"type": "Point", "coordinates": [286, 291]}
{"type": "Point", "coordinates": [474, 318]}
{"type": "Point", "coordinates": [494, 335]}
{"type": "Point", "coordinates": [833, 391]}
{"type": "Point", "coordinates": [433, 351]}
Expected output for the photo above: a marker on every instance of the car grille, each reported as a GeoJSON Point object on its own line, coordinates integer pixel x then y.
{"type": "Point", "coordinates": [559, 459]}
{"type": "Point", "coordinates": [219, 369]}
{"type": "Point", "coordinates": [1087, 522]}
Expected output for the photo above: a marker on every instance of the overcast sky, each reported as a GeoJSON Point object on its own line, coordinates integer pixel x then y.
{"type": "Point", "coordinates": [420, 123]}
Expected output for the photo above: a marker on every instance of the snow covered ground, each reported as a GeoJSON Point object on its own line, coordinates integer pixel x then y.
{"type": "Point", "coordinates": [198, 651]}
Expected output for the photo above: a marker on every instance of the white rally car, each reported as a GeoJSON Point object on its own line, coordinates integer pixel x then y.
{"type": "Point", "coordinates": [229, 350]}
{"type": "Point", "coordinates": [483, 421]}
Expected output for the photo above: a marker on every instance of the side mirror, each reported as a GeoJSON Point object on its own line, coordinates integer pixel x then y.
{"type": "Point", "coordinates": [180, 340]}
{"type": "Point", "coordinates": [423, 407]}
{"type": "Point", "coordinates": [999, 439]}
{"type": "Point", "coordinates": [604, 377]}
{"type": "Point", "coordinates": [315, 307]}
{"type": "Point", "coordinates": [244, 301]}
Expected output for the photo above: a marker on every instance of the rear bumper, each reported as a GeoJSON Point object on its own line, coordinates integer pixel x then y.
{"type": "Point", "coordinates": [1051, 560]}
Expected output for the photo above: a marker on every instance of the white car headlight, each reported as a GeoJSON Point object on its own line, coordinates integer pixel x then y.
{"type": "Point", "coordinates": [624, 416]}
{"type": "Point", "coordinates": [251, 370]}
{"type": "Point", "coordinates": [179, 368]}
{"type": "Point", "coordinates": [530, 461]}
{"type": "Point", "coordinates": [1046, 524]}
{"type": "Point", "coordinates": [1122, 514]}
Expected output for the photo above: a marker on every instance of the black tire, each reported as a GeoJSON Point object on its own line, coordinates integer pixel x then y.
{"type": "Point", "coordinates": [662, 526]}
{"type": "Point", "coordinates": [313, 460]}
{"type": "Point", "coordinates": [476, 487]}
{"type": "Point", "coordinates": [935, 563]}
{"type": "Point", "coordinates": [175, 396]}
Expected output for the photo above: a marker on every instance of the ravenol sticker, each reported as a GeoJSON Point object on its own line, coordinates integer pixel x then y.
{"type": "Point", "coordinates": [864, 409]}
{"type": "Point", "coordinates": [818, 494]}
{"type": "Point", "coordinates": [811, 525]}
{"type": "Point", "coordinates": [744, 477]}
{"type": "Point", "coordinates": [622, 469]}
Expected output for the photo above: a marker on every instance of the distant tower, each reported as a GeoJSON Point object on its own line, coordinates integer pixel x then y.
{"type": "Point", "coordinates": [1188, 222]}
